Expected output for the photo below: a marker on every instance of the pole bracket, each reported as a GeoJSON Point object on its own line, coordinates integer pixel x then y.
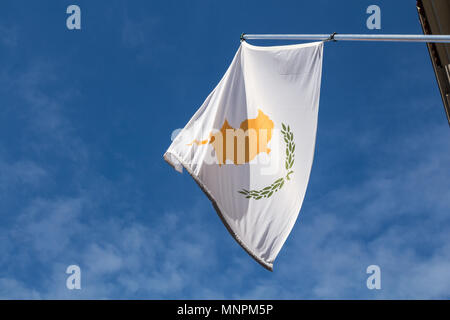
{"type": "Point", "coordinates": [331, 37]}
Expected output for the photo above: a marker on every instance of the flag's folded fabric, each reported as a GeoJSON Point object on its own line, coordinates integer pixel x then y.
{"type": "Point", "coordinates": [250, 146]}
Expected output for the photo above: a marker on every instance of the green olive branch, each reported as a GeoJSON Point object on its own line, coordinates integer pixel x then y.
{"type": "Point", "coordinates": [268, 191]}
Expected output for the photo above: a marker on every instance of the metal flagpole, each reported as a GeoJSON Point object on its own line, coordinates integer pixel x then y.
{"type": "Point", "coordinates": [351, 37]}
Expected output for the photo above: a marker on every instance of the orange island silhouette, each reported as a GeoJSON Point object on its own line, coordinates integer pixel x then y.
{"type": "Point", "coordinates": [240, 145]}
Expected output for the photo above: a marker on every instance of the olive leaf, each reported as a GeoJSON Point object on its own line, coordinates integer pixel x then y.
{"type": "Point", "coordinates": [268, 191]}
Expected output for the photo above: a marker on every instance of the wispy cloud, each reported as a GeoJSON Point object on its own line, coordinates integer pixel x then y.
{"type": "Point", "coordinates": [141, 35]}
{"type": "Point", "coordinates": [58, 208]}
{"type": "Point", "coordinates": [395, 218]}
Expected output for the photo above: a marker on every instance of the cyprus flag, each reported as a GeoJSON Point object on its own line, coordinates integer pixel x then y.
{"type": "Point", "coordinates": [250, 146]}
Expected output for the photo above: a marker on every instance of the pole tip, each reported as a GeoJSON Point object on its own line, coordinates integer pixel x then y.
{"type": "Point", "coordinates": [242, 36]}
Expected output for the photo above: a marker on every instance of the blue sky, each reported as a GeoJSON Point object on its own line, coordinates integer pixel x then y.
{"type": "Point", "coordinates": [85, 117]}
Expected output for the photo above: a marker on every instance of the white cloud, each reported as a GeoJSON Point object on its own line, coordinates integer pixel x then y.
{"type": "Point", "coordinates": [20, 173]}
{"type": "Point", "coordinates": [396, 219]}
{"type": "Point", "coordinates": [13, 289]}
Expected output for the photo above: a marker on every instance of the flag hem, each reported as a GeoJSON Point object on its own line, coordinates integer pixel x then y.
{"type": "Point", "coordinates": [282, 47]}
{"type": "Point", "coordinates": [266, 265]}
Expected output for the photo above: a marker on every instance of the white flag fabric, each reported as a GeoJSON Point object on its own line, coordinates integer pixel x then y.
{"type": "Point", "coordinates": [250, 146]}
